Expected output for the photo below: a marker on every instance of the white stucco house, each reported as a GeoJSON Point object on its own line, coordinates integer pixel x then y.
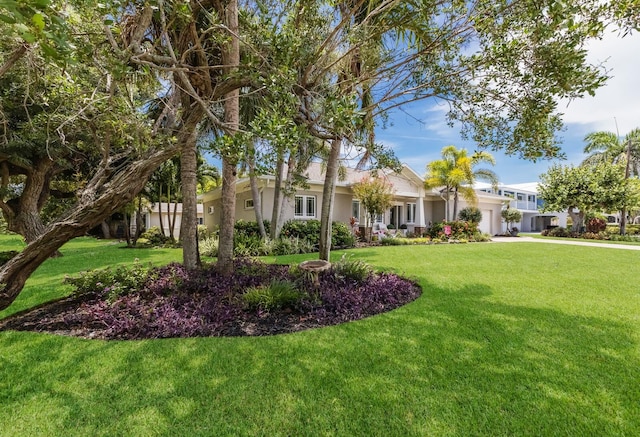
{"type": "Point", "coordinates": [412, 206]}
{"type": "Point", "coordinates": [525, 198]}
{"type": "Point", "coordinates": [168, 210]}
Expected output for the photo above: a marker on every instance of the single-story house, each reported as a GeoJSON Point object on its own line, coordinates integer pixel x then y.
{"type": "Point", "coordinates": [525, 198]}
{"type": "Point", "coordinates": [168, 210]}
{"type": "Point", "coordinates": [413, 205]}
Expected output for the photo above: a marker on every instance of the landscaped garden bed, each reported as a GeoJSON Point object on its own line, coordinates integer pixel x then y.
{"type": "Point", "coordinates": [260, 299]}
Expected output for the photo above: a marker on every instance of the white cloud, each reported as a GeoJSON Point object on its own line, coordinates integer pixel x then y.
{"type": "Point", "coordinates": [618, 99]}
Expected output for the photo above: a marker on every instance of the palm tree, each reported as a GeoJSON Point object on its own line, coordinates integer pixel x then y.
{"type": "Point", "coordinates": [605, 146]}
{"type": "Point", "coordinates": [456, 174]}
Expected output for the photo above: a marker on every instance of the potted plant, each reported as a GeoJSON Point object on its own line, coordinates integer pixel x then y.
{"type": "Point", "coordinates": [403, 228]}
{"type": "Point", "coordinates": [391, 228]}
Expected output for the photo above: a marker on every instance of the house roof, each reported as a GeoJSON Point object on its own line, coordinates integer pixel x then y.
{"type": "Point", "coordinates": [406, 183]}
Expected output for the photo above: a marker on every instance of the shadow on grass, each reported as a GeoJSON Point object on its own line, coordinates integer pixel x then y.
{"type": "Point", "coordinates": [454, 362]}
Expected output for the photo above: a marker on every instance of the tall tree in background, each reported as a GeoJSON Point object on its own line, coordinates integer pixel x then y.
{"type": "Point", "coordinates": [457, 174]}
{"type": "Point", "coordinates": [608, 147]}
{"type": "Point", "coordinates": [588, 189]}
{"type": "Point", "coordinates": [375, 195]}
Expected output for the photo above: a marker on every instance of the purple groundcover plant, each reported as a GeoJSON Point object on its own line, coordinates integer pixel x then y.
{"type": "Point", "coordinates": [176, 302]}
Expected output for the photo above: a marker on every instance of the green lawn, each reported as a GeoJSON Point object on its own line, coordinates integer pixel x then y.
{"type": "Point", "coordinates": [507, 339]}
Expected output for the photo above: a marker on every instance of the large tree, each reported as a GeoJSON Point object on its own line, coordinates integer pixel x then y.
{"type": "Point", "coordinates": [500, 66]}
{"type": "Point", "coordinates": [609, 147]}
{"type": "Point", "coordinates": [587, 189]}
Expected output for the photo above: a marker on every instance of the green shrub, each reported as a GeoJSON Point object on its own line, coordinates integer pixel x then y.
{"type": "Point", "coordinates": [557, 232]}
{"type": "Point", "coordinates": [143, 242]}
{"type": "Point", "coordinates": [154, 236]}
{"type": "Point", "coordinates": [276, 295]}
{"type": "Point", "coordinates": [7, 255]}
{"type": "Point", "coordinates": [112, 282]}
{"type": "Point", "coordinates": [470, 214]}
{"type": "Point", "coordinates": [341, 236]}
{"type": "Point", "coordinates": [303, 229]}
{"type": "Point", "coordinates": [618, 237]}
{"type": "Point", "coordinates": [249, 229]}
{"type": "Point", "coordinates": [596, 225]}
{"type": "Point", "coordinates": [352, 269]}
{"type": "Point", "coordinates": [458, 230]}
{"type": "Point", "coordinates": [203, 232]}
{"type": "Point", "coordinates": [248, 245]}
{"type": "Point", "coordinates": [594, 235]}
{"type": "Point", "coordinates": [209, 247]}
{"type": "Point", "coordinates": [395, 241]}
{"type": "Point", "coordinates": [291, 246]}
{"type": "Point", "coordinates": [480, 237]}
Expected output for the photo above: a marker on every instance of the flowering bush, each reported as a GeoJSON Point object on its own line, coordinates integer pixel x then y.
{"type": "Point", "coordinates": [452, 230]}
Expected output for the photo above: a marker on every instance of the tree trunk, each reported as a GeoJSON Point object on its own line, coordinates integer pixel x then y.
{"type": "Point", "coordinates": [577, 219]}
{"type": "Point", "coordinates": [160, 212]}
{"type": "Point", "coordinates": [172, 219]}
{"type": "Point", "coordinates": [257, 201]}
{"type": "Point", "coordinates": [455, 206]}
{"type": "Point", "coordinates": [23, 215]}
{"type": "Point", "coordinates": [328, 192]}
{"type": "Point", "coordinates": [169, 213]}
{"type": "Point", "coordinates": [106, 231]}
{"type": "Point", "coordinates": [189, 224]}
{"type": "Point", "coordinates": [97, 202]}
{"type": "Point", "coordinates": [286, 191]}
{"type": "Point", "coordinates": [127, 229]}
{"type": "Point", "coordinates": [230, 60]}
{"type": "Point", "coordinates": [277, 197]}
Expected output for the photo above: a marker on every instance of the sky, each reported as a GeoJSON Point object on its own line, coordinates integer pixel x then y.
{"type": "Point", "coordinates": [614, 106]}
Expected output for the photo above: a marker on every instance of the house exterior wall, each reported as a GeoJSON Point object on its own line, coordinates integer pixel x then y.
{"type": "Point", "coordinates": [152, 217]}
{"type": "Point", "coordinates": [407, 187]}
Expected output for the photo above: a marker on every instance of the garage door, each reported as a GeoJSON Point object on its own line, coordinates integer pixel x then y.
{"type": "Point", "coordinates": [485, 223]}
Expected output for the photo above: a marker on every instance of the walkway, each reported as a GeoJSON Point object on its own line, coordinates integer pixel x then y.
{"type": "Point", "coordinates": [525, 239]}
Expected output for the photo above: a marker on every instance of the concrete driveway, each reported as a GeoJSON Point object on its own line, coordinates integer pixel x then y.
{"type": "Point", "coordinates": [526, 239]}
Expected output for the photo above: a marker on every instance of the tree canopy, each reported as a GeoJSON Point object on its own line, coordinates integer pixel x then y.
{"type": "Point", "coordinates": [582, 190]}
{"type": "Point", "coordinates": [323, 69]}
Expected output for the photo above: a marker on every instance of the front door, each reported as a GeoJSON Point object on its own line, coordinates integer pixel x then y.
{"type": "Point", "coordinates": [395, 216]}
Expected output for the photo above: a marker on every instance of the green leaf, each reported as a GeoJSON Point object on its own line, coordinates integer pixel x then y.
{"type": "Point", "coordinates": [7, 19]}
{"type": "Point", "coordinates": [49, 50]}
{"type": "Point", "coordinates": [38, 21]}
{"type": "Point", "coordinates": [28, 37]}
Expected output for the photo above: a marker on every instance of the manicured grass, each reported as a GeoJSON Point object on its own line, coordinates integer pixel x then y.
{"type": "Point", "coordinates": [507, 339]}
{"type": "Point", "coordinates": [78, 255]}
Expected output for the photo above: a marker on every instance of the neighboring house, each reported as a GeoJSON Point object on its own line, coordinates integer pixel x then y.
{"type": "Point", "coordinates": [525, 198]}
{"type": "Point", "coordinates": [412, 204]}
{"type": "Point", "coordinates": [152, 216]}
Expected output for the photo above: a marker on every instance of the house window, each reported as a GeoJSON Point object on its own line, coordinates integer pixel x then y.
{"type": "Point", "coordinates": [248, 204]}
{"type": "Point", "coordinates": [520, 197]}
{"type": "Point", "coordinates": [355, 209]}
{"type": "Point", "coordinates": [200, 221]}
{"type": "Point", "coordinates": [531, 198]}
{"type": "Point", "coordinates": [305, 206]}
{"type": "Point", "coordinates": [411, 212]}
{"type": "Point", "coordinates": [379, 218]}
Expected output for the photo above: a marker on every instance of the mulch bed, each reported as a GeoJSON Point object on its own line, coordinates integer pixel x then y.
{"type": "Point", "coordinates": [197, 309]}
